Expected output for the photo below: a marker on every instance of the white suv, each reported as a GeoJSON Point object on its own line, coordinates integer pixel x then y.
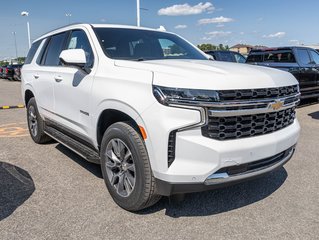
{"type": "Point", "coordinates": [159, 117]}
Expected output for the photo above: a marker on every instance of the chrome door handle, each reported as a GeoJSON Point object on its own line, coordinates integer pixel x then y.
{"type": "Point", "coordinates": [36, 76]}
{"type": "Point", "coordinates": [58, 79]}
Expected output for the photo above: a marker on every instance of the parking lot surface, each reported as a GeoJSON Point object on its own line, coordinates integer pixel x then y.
{"type": "Point", "coordinates": [48, 192]}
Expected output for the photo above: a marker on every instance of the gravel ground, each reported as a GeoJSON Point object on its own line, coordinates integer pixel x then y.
{"type": "Point", "coordinates": [48, 192]}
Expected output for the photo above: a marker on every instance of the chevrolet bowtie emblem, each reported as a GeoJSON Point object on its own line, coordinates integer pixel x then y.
{"type": "Point", "coordinates": [277, 105]}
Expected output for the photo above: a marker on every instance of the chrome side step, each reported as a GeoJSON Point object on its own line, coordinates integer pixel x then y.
{"type": "Point", "coordinates": [84, 151]}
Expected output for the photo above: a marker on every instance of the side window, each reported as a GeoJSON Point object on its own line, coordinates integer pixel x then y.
{"type": "Point", "coordinates": [255, 58]}
{"type": "Point", "coordinates": [53, 50]}
{"type": "Point", "coordinates": [32, 52]}
{"type": "Point", "coordinates": [239, 58]}
{"type": "Point", "coordinates": [304, 57]}
{"type": "Point", "coordinates": [226, 56]}
{"type": "Point", "coordinates": [315, 56]}
{"type": "Point", "coordinates": [280, 57]}
{"type": "Point", "coordinates": [79, 40]}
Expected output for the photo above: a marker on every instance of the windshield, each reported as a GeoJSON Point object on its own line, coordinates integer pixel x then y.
{"type": "Point", "coordinates": [139, 45]}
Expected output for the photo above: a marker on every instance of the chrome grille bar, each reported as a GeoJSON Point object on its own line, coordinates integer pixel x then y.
{"type": "Point", "coordinates": [226, 109]}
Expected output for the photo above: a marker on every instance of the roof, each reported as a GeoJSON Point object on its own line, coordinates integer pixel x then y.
{"type": "Point", "coordinates": [278, 48]}
{"type": "Point", "coordinates": [72, 26]}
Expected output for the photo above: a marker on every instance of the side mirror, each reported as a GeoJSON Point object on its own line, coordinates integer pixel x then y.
{"type": "Point", "coordinates": [73, 57]}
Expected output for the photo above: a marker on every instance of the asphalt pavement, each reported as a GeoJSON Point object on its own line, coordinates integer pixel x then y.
{"type": "Point", "coordinates": [48, 192]}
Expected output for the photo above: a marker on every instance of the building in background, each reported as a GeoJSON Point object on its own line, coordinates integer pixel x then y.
{"type": "Point", "coordinates": [244, 49]}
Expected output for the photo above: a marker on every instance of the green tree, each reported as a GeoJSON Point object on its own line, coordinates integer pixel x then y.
{"type": "Point", "coordinates": [21, 60]}
{"type": "Point", "coordinates": [207, 47]}
{"type": "Point", "coordinates": [4, 63]}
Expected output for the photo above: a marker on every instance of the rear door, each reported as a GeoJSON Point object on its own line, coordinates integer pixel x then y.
{"type": "Point", "coordinates": [45, 73]}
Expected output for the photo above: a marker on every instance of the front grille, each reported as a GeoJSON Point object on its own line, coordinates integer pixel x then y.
{"type": "Point", "coordinates": [257, 165]}
{"type": "Point", "coordinates": [261, 93]}
{"type": "Point", "coordinates": [235, 127]}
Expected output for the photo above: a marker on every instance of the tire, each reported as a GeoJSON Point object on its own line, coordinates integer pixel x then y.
{"type": "Point", "coordinates": [36, 123]}
{"type": "Point", "coordinates": [126, 168]}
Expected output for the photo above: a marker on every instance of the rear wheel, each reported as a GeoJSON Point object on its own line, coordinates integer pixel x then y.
{"type": "Point", "coordinates": [35, 123]}
{"type": "Point", "coordinates": [126, 169]}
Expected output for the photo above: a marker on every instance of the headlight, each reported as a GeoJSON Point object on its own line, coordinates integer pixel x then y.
{"type": "Point", "coordinates": [182, 96]}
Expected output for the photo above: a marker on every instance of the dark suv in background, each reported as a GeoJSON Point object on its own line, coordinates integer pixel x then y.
{"type": "Point", "coordinates": [227, 56]}
{"type": "Point", "coordinates": [12, 72]}
{"type": "Point", "coordinates": [302, 62]}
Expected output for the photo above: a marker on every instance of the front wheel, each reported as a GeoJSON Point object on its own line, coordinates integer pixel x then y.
{"type": "Point", "coordinates": [126, 168]}
{"type": "Point", "coordinates": [35, 123]}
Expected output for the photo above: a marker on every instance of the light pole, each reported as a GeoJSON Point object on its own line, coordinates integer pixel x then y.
{"type": "Point", "coordinates": [68, 15]}
{"type": "Point", "coordinates": [15, 44]}
{"type": "Point", "coordinates": [138, 17]}
{"type": "Point", "coordinates": [26, 14]}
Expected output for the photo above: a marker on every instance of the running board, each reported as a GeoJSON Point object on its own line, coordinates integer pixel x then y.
{"type": "Point", "coordinates": [84, 151]}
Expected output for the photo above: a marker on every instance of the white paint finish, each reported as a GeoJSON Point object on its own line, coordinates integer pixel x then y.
{"type": "Point", "coordinates": [202, 74]}
{"type": "Point", "coordinates": [73, 56]}
{"type": "Point", "coordinates": [126, 86]}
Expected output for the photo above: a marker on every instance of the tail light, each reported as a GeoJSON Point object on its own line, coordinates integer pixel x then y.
{"type": "Point", "coordinates": [7, 70]}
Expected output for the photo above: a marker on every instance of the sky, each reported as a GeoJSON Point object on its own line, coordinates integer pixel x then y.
{"type": "Point", "coordinates": [256, 22]}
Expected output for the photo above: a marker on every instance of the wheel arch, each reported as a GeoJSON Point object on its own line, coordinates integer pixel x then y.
{"type": "Point", "coordinates": [28, 94]}
{"type": "Point", "coordinates": [111, 115]}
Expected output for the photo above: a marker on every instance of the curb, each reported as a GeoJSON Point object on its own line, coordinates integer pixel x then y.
{"type": "Point", "coordinates": [12, 107]}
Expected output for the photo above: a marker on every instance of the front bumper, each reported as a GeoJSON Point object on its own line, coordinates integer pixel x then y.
{"type": "Point", "coordinates": [198, 157]}
{"type": "Point", "coordinates": [223, 179]}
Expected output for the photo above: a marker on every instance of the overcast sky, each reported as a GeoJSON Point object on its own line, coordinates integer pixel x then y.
{"type": "Point", "coordinates": [256, 22]}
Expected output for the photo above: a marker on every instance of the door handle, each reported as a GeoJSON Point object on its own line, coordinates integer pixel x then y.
{"type": "Point", "coordinates": [58, 78]}
{"type": "Point", "coordinates": [36, 76]}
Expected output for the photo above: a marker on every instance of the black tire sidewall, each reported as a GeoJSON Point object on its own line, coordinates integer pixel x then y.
{"type": "Point", "coordinates": [135, 199]}
{"type": "Point", "coordinates": [40, 132]}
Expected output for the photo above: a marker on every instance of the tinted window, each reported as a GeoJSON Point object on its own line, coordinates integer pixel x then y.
{"type": "Point", "coordinates": [79, 40]}
{"type": "Point", "coordinates": [283, 56]}
{"type": "Point", "coordinates": [255, 58]}
{"type": "Point", "coordinates": [239, 58]}
{"type": "Point", "coordinates": [280, 56]}
{"type": "Point", "coordinates": [225, 56]}
{"type": "Point", "coordinates": [54, 48]}
{"type": "Point", "coordinates": [315, 56]}
{"type": "Point", "coordinates": [32, 52]}
{"type": "Point", "coordinates": [304, 57]}
{"type": "Point", "coordinates": [133, 44]}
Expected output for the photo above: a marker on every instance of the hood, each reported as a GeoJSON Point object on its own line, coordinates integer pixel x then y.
{"type": "Point", "coordinates": [204, 74]}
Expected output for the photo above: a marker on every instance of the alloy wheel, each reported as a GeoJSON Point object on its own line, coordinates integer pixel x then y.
{"type": "Point", "coordinates": [120, 167]}
{"type": "Point", "coordinates": [33, 122]}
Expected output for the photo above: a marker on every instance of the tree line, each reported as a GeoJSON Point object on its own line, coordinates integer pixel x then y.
{"type": "Point", "coordinates": [19, 60]}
